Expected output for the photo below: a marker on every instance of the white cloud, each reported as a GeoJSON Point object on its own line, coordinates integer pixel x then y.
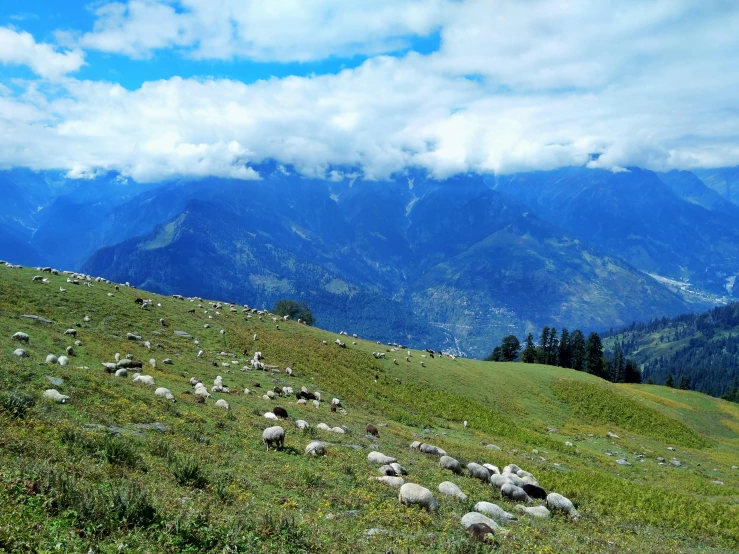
{"type": "Point", "coordinates": [20, 48]}
{"type": "Point", "coordinates": [274, 30]}
{"type": "Point", "coordinates": [652, 85]}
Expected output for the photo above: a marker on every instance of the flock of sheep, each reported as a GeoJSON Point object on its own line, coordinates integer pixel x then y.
{"type": "Point", "coordinates": [513, 483]}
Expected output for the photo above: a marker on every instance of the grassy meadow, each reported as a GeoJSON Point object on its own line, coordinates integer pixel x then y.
{"type": "Point", "coordinates": [95, 475]}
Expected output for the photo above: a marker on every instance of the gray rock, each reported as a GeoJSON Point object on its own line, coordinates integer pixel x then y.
{"type": "Point", "coordinates": [623, 462]}
{"type": "Point", "coordinates": [56, 381]}
{"type": "Point", "coordinates": [183, 334]}
{"type": "Point", "coordinates": [37, 318]}
{"type": "Point", "coordinates": [493, 447]}
{"type": "Point", "coordinates": [676, 463]}
{"type": "Point", "coordinates": [375, 531]}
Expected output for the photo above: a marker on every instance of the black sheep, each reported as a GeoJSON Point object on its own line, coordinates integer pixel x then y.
{"type": "Point", "coordinates": [480, 532]}
{"type": "Point", "coordinates": [372, 430]}
{"type": "Point", "coordinates": [535, 492]}
{"type": "Point", "coordinates": [280, 412]}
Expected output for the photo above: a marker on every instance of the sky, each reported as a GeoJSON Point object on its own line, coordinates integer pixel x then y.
{"type": "Point", "coordinates": [156, 89]}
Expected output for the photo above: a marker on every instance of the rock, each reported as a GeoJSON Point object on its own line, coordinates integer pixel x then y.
{"type": "Point", "coordinates": [56, 381]}
{"type": "Point", "coordinates": [676, 463]}
{"type": "Point", "coordinates": [37, 318]}
{"type": "Point", "coordinates": [450, 489]}
{"type": "Point", "coordinates": [717, 482]}
{"type": "Point", "coordinates": [375, 531]}
{"type": "Point", "coordinates": [492, 447]}
{"type": "Point", "coordinates": [623, 462]}
{"type": "Point", "coordinates": [183, 334]}
{"type": "Point", "coordinates": [131, 336]}
{"type": "Point", "coordinates": [660, 459]}
{"type": "Point", "coordinates": [612, 435]}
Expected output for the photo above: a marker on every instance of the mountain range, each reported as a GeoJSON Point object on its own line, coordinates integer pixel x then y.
{"type": "Point", "coordinates": [454, 264]}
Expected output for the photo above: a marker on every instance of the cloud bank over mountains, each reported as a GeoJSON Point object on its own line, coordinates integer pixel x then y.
{"type": "Point", "coordinates": [509, 86]}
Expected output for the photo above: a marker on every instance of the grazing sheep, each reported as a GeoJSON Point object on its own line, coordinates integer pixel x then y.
{"type": "Point", "coordinates": [20, 353]}
{"type": "Point", "coordinates": [145, 380]}
{"type": "Point", "coordinates": [512, 492]}
{"type": "Point", "coordinates": [302, 424]}
{"type": "Point", "coordinates": [56, 396]}
{"type": "Point", "coordinates": [492, 469]}
{"type": "Point", "coordinates": [316, 448]}
{"type": "Point", "coordinates": [21, 337]}
{"type": "Point", "coordinates": [62, 361]}
{"type": "Point", "coordinates": [391, 481]}
{"type": "Point", "coordinates": [561, 503]}
{"type": "Point", "coordinates": [535, 491]}
{"type": "Point", "coordinates": [274, 436]}
{"type": "Point", "coordinates": [201, 391]}
{"type": "Point", "coordinates": [51, 359]}
{"type": "Point", "coordinates": [431, 450]}
{"type": "Point", "coordinates": [167, 361]}
{"type": "Point", "coordinates": [471, 518]}
{"type": "Point", "coordinates": [270, 415]}
{"type": "Point", "coordinates": [371, 429]}
{"type": "Point", "coordinates": [255, 384]}
{"type": "Point", "coordinates": [511, 468]}
{"type": "Point", "coordinates": [194, 381]}
{"type": "Point", "coordinates": [416, 495]}
{"type": "Point", "coordinates": [534, 511]}
{"type": "Point", "coordinates": [494, 511]}
{"type": "Point", "coordinates": [270, 394]}
{"type": "Point", "coordinates": [333, 407]}
{"type": "Point", "coordinates": [447, 462]}
{"type": "Point", "coordinates": [478, 472]}
{"type": "Point", "coordinates": [165, 393]}
{"type": "Point", "coordinates": [280, 412]}
{"type": "Point", "coordinates": [69, 350]}
{"type": "Point", "coordinates": [481, 532]}
{"type": "Point", "coordinates": [415, 445]}
{"type": "Point", "coordinates": [399, 469]}
{"type": "Point", "coordinates": [247, 391]}
{"type": "Point", "coordinates": [222, 404]}
{"type": "Point", "coordinates": [323, 427]}
{"type": "Point", "coordinates": [109, 367]}
{"type": "Point", "coordinates": [123, 372]}
{"type": "Point", "coordinates": [465, 424]}
{"type": "Point", "coordinates": [380, 458]}
{"type": "Point", "coordinates": [387, 470]}
{"type": "Point", "coordinates": [338, 430]}
{"type": "Point", "coordinates": [72, 332]}
{"type": "Point", "coordinates": [514, 479]}
{"type": "Point", "coordinates": [316, 404]}
{"type": "Point", "coordinates": [450, 489]}
{"type": "Point", "coordinates": [302, 401]}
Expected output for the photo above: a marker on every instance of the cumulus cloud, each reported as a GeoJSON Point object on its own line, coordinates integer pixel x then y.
{"type": "Point", "coordinates": [276, 30]}
{"type": "Point", "coordinates": [511, 89]}
{"type": "Point", "coordinates": [20, 48]}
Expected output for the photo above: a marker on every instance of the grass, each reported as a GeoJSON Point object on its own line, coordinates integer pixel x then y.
{"type": "Point", "coordinates": [95, 473]}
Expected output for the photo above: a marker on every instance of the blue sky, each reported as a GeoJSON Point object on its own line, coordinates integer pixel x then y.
{"type": "Point", "coordinates": [160, 88]}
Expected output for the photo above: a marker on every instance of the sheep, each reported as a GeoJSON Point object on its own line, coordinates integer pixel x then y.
{"type": "Point", "coordinates": [512, 492]}
{"type": "Point", "coordinates": [465, 424]}
{"type": "Point", "coordinates": [387, 470]}
{"type": "Point", "coordinates": [165, 393]}
{"type": "Point", "coordinates": [450, 489]}
{"type": "Point", "coordinates": [69, 350]}
{"type": "Point", "coordinates": [481, 532]}
{"type": "Point", "coordinates": [274, 436]}
{"type": "Point", "coordinates": [62, 361]}
{"type": "Point", "coordinates": [412, 494]}
{"type": "Point", "coordinates": [21, 337]}
{"type": "Point", "coordinates": [72, 332]}
{"type": "Point", "coordinates": [289, 371]}
{"type": "Point", "coordinates": [431, 450]}
{"type": "Point", "coordinates": [494, 511]}
{"type": "Point", "coordinates": [247, 391]}
{"type": "Point", "coordinates": [323, 427]}
{"type": "Point", "coordinates": [380, 458]}
{"type": "Point", "coordinates": [447, 462]}
{"type": "Point", "coordinates": [301, 401]}
{"type": "Point", "coordinates": [287, 391]}
{"type": "Point", "coordinates": [316, 448]}
{"type": "Point", "coordinates": [144, 379]}
{"type": "Point", "coordinates": [473, 518]}
{"type": "Point", "coordinates": [535, 511]}
{"type": "Point", "coordinates": [123, 372]}
{"type": "Point", "coordinates": [563, 504]}
{"type": "Point", "coordinates": [51, 359]}
{"type": "Point", "coordinates": [391, 481]}
{"type": "Point", "coordinates": [511, 468]}
{"type": "Point", "coordinates": [302, 424]}
{"type": "Point", "coordinates": [110, 367]}
{"type": "Point", "coordinates": [479, 472]}
{"type": "Point", "coordinates": [514, 479]}
{"type": "Point", "coordinates": [56, 396]}
{"type": "Point", "coordinates": [371, 429]}
{"type": "Point", "coordinates": [270, 394]}
{"type": "Point", "coordinates": [277, 390]}
{"type": "Point", "coordinates": [270, 415]}
{"type": "Point", "coordinates": [280, 412]}
{"type": "Point", "coordinates": [338, 430]}
{"type": "Point", "coordinates": [222, 404]}
{"type": "Point", "coordinates": [333, 407]}
{"type": "Point", "coordinates": [194, 381]}
{"type": "Point", "coordinates": [398, 469]}
{"type": "Point", "coordinates": [201, 391]}
{"type": "Point", "coordinates": [316, 404]}
{"type": "Point", "coordinates": [167, 361]}
{"type": "Point", "coordinates": [20, 353]}
{"type": "Point", "coordinates": [415, 445]}
{"type": "Point", "coordinates": [492, 469]}
{"type": "Point", "coordinates": [534, 491]}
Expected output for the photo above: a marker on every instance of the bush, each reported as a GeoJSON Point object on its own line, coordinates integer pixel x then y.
{"type": "Point", "coordinates": [119, 451]}
{"type": "Point", "coordinates": [17, 403]}
{"type": "Point", "coordinates": [132, 504]}
{"type": "Point", "coordinates": [187, 470]}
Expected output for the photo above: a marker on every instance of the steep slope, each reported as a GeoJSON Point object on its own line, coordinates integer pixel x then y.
{"type": "Point", "coordinates": [724, 181]}
{"type": "Point", "coordinates": [635, 216]}
{"type": "Point", "coordinates": [689, 187]}
{"type": "Point", "coordinates": [118, 465]}
{"type": "Point", "coordinates": [703, 348]}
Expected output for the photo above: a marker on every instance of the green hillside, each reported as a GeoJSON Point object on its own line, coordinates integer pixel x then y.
{"type": "Point", "coordinates": [95, 474]}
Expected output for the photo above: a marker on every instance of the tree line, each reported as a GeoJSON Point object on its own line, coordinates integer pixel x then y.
{"type": "Point", "coordinates": [569, 350]}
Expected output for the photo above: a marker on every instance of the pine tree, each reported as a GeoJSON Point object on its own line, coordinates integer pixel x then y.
{"type": "Point", "coordinates": [542, 351]}
{"type": "Point", "coordinates": [618, 369]}
{"type": "Point", "coordinates": [670, 382]}
{"type": "Point", "coordinates": [632, 373]}
{"type": "Point", "coordinates": [594, 355]}
{"type": "Point", "coordinates": [528, 356]}
{"type": "Point", "coordinates": [684, 383]}
{"type": "Point", "coordinates": [564, 355]}
{"type": "Point", "coordinates": [577, 350]}
{"type": "Point", "coordinates": [552, 347]}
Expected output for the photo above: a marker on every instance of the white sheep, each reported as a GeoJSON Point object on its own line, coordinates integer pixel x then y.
{"type": "Point", "coordinates": [563, 504]}
{"type": "Point", "coordinates": [472, 518]}
{"type": "Point", "coordinates": [21, 337]}
{"type": "Point", "coordinates": [450, 489]}
{"type": "Point", "coordinates": [380, 458]}
{"type": "Point", "coordinates": [164, 393]}
{"type": "Point", "coordinates": [322, 427]}
{"type": "Point", "coordinates": [221, 403]}
{"type": "Point", "coordinates": [62, 361]}
{"type": "Point", "coordinates": [534, 511]}
{"type": "Point", "coordinates": [412, 494]}
{"type": "Point", "coordinates": [274, 436]}
{"type": "Point", "coordinates": [56, 396]}
{"type": "Point", "coordinates": [144, 379]}
{"type": "Point", "coordinates": [123, 372]}
{"type": "Point", "coordinates": [51, 359]}
{"type": "Point", "coordinates": [20, 353]}
{"type": "Point", "coordinates": [478, 472]}
{"type": "Point", "coordinates": [302, 424]}
{"type": "Point", "coordinates": [447, 462]}
{"type": "Point", "coordinates": [270, 415]}
{"type": "Point", "coordinates": [316, 404]}
{"type": "Point", "coordinates": [316, 448]}
{"type": "Point", "coordinates": [494, 511]}
{"type": "Point", "coordinates": [512, 492]}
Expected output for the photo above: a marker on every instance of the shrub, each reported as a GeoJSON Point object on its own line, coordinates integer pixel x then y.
{"type": "Point", "coordinates": [17, 403]}
{"type": "Point", "coordinates": [132, 504]}
{"type": "Point", "coordinates": [187, 470]}
{"type": "Point", "coordinates": [118, 450]}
